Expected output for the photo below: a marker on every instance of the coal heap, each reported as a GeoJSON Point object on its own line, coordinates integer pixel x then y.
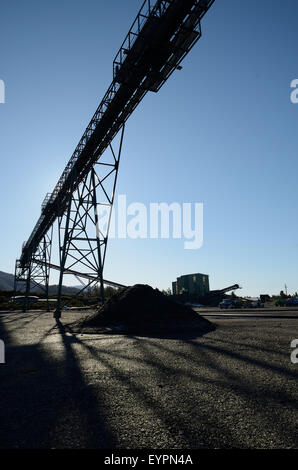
{"type": "Point", "coordinates": [141, 307]}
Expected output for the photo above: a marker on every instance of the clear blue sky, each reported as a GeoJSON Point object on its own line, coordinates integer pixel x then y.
{"type": "Point", "coordinates": [223, 131]}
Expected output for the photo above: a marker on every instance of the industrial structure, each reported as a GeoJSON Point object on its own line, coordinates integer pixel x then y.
{"type": "Point", "coordinates": [191, 284]}
{"type": "Point", "coordinates": [161, 36]}
{"type": "Point", "coordinates": [195, 288]}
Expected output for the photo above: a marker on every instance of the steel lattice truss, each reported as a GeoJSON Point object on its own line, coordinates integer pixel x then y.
{"type": "Point", "coordinates": [82, 243]}
{"type": "Point", "coordinates": [36, 274]}
{"type": "Point", "coordinates": [162, 34]}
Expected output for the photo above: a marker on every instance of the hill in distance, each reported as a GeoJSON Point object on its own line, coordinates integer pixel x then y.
{"type": "Point", "coordinates": [7, 283]}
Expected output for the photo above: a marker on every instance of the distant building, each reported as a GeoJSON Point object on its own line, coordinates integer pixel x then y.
{"type": "Point", "coordinates": [191, 284]}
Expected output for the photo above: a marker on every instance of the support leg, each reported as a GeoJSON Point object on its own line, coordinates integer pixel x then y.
{"type": "Point", "coordinates": [63, 256]}
{"type": "Point", "coordinates": [27, 294]}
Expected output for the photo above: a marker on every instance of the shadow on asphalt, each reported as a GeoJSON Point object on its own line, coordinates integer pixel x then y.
{"type": "Point", "coordinates": [47, 403]}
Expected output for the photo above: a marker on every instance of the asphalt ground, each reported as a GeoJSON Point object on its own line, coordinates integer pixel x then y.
{"type": "Point", "coordinates": [234, 387]}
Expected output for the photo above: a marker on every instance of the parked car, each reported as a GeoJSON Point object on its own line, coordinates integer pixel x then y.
{"type": "Point", "coordinates": [286, 302]}
{"type": "Point", "coordinates": [292, 302]}
{"type": "Point", "coordinates": [230, 303]}
{"type": "Point", "coordinates": [257, 304]}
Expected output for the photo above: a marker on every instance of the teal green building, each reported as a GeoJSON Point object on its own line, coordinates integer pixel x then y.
{"type": "Point", "coordinates": [191, 284]}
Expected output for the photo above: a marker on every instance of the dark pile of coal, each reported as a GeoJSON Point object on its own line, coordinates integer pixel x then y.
{"type": "Point", "coordinates": [141, 308]}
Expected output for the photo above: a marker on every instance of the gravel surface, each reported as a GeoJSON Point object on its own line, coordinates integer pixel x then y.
{"type": "Point", "coordinates": [234, 387]}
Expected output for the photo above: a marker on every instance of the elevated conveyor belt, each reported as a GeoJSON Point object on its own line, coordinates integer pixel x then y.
{"type": "Point", "coordinates": [161, 36]}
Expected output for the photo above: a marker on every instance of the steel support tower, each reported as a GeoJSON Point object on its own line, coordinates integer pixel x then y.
{"type": "Point", "coordinates": [162, 34]}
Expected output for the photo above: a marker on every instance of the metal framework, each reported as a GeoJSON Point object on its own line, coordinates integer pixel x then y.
{"type": "Point", "coordinates": [82, 242]}
{"type": "Point", "coordinates": [162, 34]}
{"type": "Point", "coordinates": [36, 273]}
